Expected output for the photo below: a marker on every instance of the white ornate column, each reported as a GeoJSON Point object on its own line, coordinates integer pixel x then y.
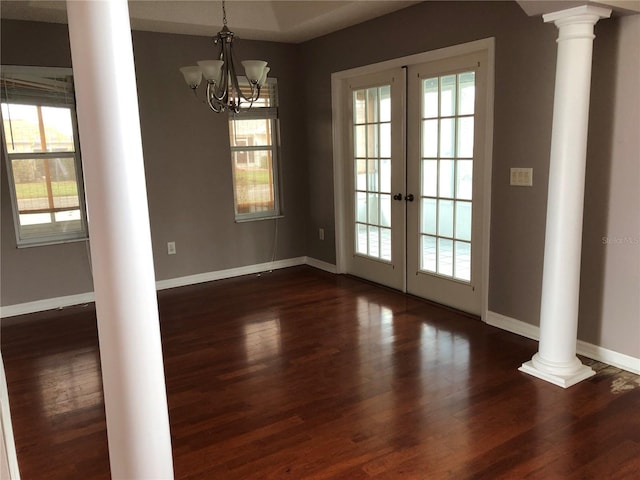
{"type": "Point", "coordinates": [556, 360]}
{"type": "Point", "coordinates": [123, 274]}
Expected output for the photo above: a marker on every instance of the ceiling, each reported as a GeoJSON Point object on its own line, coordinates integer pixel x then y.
{"type": "Point", "coordinates": [291, 21]}
{"type": "Point", "coordinates": [281, 21]}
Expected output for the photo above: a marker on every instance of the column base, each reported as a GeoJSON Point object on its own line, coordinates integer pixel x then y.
{"type": "Point", "coordinates": [561, 375]}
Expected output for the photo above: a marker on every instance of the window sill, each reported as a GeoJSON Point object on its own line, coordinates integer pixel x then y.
{"type": "Point", "coordinates": [257, 219]}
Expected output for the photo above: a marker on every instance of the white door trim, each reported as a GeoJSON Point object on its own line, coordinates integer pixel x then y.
{"type": "Point", "coordinates": [338, 84]}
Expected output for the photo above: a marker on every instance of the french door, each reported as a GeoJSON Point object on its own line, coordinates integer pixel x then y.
{"type": "Point", "coordinates": [414, 191]}
{"type": "Point", "coordinates": [445, 158]}
{"type": "Point", "coordinates": [375, 178]}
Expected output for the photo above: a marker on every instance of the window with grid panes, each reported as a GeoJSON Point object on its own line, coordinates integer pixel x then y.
{"type": "Point", "coordinates": [253, 136]}
{"type": "Point", "coordinates": [40, 143]}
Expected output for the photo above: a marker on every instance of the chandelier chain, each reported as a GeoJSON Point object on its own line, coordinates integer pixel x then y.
{"type": "Point", "coordinates": [224, 13]}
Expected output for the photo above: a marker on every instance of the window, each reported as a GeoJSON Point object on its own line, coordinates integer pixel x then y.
{"type": "Point", "coordinates": [43, 159]}
{"type": "Point", "coordinates": [253, 136]}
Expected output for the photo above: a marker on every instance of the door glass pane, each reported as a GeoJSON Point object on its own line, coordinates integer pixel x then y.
{"type": "Point", "coordinates": [372, 140]}
{"type": "Point", "coordinates": [385, 140]}
{"type": "Point", "coordinates": [467, 90]}
{"type": "Point", "coordinates": [361, 174]}
{"type": "Point", "coordinates": [374, 241]}
{"type": "Point", "coordinates": [446, 178]}
{"type": "Point", "coordinates": [465, 137]}
{"type": "Point", "coordinates": [374, 209]}
{"type": "Point", "coordinates": [445, 218]}
{"type": "Point", "coordinates": [361, 207]}
{"type": "Point", "coordinates": [462, 261]}
{"type": "Point", "coordinates": [448, 106]}
{"type": "Point", "coordinates": [385, 103]}
{"type": "Point", "coordinates": [430, 98]}
{"type": "Point", "coordinates": [463, 220]}
{"type": "Point", "coordinates": [361, 239]}
{"type": "Point", "coordinates": [372, 175]}
{"type": "Point", "coordinates": [430, 138]}
{"type": "Point", "coordinates": [429, 178]}
{"type": "Point", "coordinates": [385, 210]}
{"type": "Point", "coordinates": [372, 105]}
{"type": "Point", "coordinates": [429, 216]}
{"type": "Point", "coordinates": [385, 175]}
{"type": "Point", "coordinates": [447, 96]}
{"type": "Point", "coordinates": [385, 244]}
{"type": "Point", "coordinates": [372, 170]}
{"type": "Point", "coordinates": [464, 179]}
{"type": "Point", "coordinates": [360, 141]}
{"type": "Point", "coordinates": [429, 253]}
{"type": "Point", "coordinates": [359, 106]}
{"type": "Point", "coordinates": [445, 257]}
{"type": "Point", "coordinates": [447, 137]}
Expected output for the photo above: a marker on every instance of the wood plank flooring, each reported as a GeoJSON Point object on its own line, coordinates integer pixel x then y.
{"type": "Point", "coordinates": [300, 374]}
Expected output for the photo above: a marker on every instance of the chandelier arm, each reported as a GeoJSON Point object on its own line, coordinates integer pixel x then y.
{"type": "Point", "coordinates": [227, 93]}
{"type": "Point", "coordinates": [212, 105]}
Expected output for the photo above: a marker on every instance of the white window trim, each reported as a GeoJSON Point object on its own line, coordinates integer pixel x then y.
{"type": "Point", "coordinates": [52, 239]}
{"type": "Point", "coordinates": [267, 113]}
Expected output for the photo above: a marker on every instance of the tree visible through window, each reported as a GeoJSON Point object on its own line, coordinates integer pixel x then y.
{"type": "Point", "coordinates": [254, 155]}
{"type": "Point", "coordinates": [43, 160]}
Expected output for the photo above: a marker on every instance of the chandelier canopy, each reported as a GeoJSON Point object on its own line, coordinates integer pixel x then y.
{"type": "Point", "coordinates": [223, 88]}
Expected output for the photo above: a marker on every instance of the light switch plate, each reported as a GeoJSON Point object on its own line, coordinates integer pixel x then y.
{"type": "Point", "coordinates": [521, 177]}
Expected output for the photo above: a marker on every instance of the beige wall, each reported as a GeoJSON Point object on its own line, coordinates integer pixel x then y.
{"type": "Point", "coordinates": [610, 281]}
{"type": "Point", "coordinates": [186, 154]}
{"type": "Point", "coordinates": [194, 209]}
{"type": "Point", "coordinates": [524, 86]}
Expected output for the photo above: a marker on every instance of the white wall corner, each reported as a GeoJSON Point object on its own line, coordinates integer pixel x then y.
{"type": "Point", "coordinates": [320, 265]}
{"type": "Point", "coordinates": [595, 352]}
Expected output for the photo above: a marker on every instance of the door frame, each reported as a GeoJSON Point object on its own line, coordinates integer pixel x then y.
{"type": "Point", "coordinates": [339, 87]}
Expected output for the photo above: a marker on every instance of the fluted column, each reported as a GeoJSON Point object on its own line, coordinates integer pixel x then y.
{"type": "Point", "coordinates": [556, 359]}
{"type": "Point", "coordinates": [123, 274]}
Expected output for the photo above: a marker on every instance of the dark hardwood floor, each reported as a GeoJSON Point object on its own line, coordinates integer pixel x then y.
{"type": "Point", "coordinates": [300, 374]}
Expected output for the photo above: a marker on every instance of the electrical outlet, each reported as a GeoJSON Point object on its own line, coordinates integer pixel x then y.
{"type": "Point", "coordinates": [521, 177]}
{"type": "Point", "coordinates": [321, 233]}
{"type": "Point", "coordinates": [171, 248]}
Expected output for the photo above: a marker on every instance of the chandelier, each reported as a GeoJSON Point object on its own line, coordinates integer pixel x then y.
{"type": "Point", "coordinates": [223, 88]}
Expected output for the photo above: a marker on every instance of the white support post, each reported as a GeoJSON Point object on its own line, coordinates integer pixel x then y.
{"type": "Point", "coordinates": [556, 360]}
{"type": "Point", "coordinates": [124, 280]}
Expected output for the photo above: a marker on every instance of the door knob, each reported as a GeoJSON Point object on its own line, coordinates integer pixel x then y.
{"type": "Point", "coordinates": [409, 198]}
{"type": "Point", "coordinates": [397, 196]}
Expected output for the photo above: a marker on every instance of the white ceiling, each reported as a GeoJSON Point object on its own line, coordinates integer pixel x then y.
{"type": "Point", "coordinates": [540, 7]}
{"type": "Point", "coordinates": [281, 21]}
{"type": "Point", "coordinates": [291, 21]}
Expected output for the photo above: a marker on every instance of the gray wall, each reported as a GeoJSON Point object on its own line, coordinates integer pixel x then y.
{"type": "Point", "coordinates": [524, 86]}
{"type": "Point", "coordinates": [195, 209]}
{"type": "Point", "coordinates": [186, 154]}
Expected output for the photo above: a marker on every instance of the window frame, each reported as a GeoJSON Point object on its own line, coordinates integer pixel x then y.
{"type": "Point", "coordinates": [271, 114]}
{"type": "Point", "coordinates": [50, 236]}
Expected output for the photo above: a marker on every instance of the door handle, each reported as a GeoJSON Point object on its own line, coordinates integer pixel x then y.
{"type": "Point", "coordinates": [409, 198]}
{"type": "Point", "coordinates": [397, 196]}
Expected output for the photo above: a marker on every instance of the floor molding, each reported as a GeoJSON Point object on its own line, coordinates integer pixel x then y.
{"type": "Point", "coordinates": [595, 352]}
{"type": "Point", "coordinates": [88, 297]}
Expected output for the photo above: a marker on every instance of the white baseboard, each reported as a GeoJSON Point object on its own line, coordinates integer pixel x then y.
{"type": "Point", "coordinates": [610, 357]}
{"type": "Point", "coordinates": [46, 304]}
{"type": "Point", "coordinates": [70, 300]}
{"type": "Point", "coordinates": [229, 273]}
{"type": "Point", "coordinates": [320, 265]}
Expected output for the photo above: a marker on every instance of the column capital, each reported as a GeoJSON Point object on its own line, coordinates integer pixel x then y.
{"type": "Point", "coordinates": [583, 14]}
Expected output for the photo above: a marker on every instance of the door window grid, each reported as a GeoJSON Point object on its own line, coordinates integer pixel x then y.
{"type": "Point", "coordinates": [446, 170]}
{"type": "Point", "coordinates": [372, 171]}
